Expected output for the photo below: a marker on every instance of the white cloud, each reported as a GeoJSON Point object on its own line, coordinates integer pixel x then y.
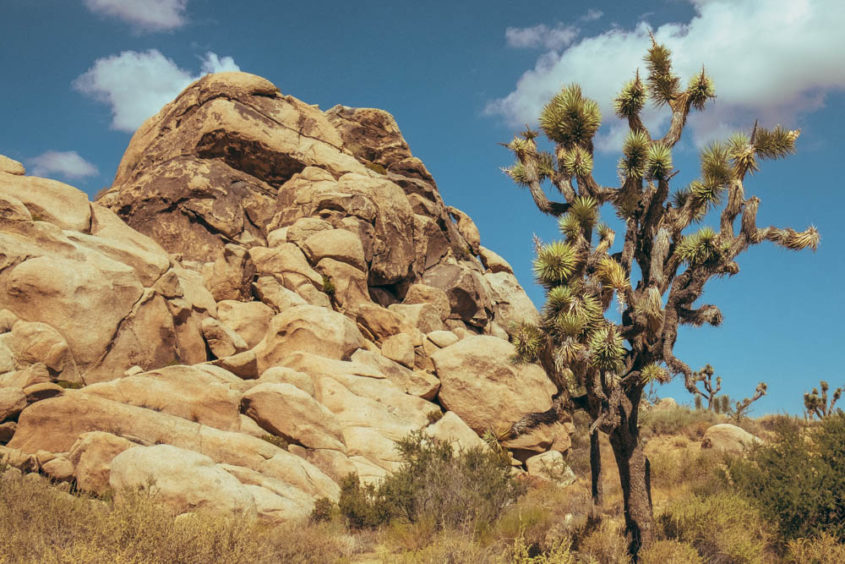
{"type": "Point", "coordinates": [592, 15]}
{"type": "Point", "coordinates": [137, 84]}
{"type": "Point", "coordinates": [541, 36]}
{"type": "Point", "coordinates": [770, 59]}
{"type": "Point", "coordinates": [67, 164]}
{"type": "Point", "coordinates": [147, 15]}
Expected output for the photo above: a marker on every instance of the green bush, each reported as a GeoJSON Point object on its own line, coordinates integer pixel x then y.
{"type": "Point", "coordinates": [723, 528]}
{"type": "Point", "coordinates": [434, 484]}
{"type": "Point", "coordinates": [798, 479]}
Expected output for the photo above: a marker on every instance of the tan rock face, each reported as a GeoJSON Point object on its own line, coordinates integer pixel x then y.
{"type": "Point", "coordinates": [483, 387]}
{"type": "Point", "coordinates": [258, 267]}
{"type": "Point", "coordinates": [288, 412]}
{"type": "Point", "coordinates": [183, 479]}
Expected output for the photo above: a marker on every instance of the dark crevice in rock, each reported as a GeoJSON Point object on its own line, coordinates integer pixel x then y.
{"type": "Point", "coordinates": [250, 157]}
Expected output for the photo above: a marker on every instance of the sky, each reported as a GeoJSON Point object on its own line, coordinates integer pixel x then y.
{"type": "Point", "coordinates": [79, 76]}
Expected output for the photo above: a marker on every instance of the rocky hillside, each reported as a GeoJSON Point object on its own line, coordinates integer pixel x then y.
{"type": "Point", "coordinates": [266, 299]}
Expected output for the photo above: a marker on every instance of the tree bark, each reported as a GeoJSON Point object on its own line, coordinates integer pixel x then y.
{"type": "Point", "coordinates": [635, 478]}
{"type": "Point", "coordinates": [595, 472]}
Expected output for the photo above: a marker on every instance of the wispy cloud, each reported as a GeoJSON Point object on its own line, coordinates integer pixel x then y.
{"type": "Point", "coordinates": [771, 59]}
{"type": "Point", "coordinates": [137, 84]}
{"type": "Point", "coordinates": [591, 15]}
{"type": "Point", "coordinates": [67, 164]}
{"type": "Point", "coordinates": [541, 36]}
{"type": "Point", "coordinates": [146, 16]}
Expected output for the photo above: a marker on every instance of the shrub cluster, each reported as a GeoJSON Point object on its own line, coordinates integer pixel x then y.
{"type": "Point", "coordinates": [435, 484]}
{"type": "Point", "coordinates": [798, 478]}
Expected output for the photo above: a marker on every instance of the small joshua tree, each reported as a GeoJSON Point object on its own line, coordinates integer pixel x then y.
{"type": "Point", "coordinates": [817, 404]}
{"type": "Point", "coordinates": [741, 407]}
{"type": "Point", "coordinates": [721, 404]}
{"type": "Point", "coordinates": [602, 365]}
{"type": "Point", "coordinates": [710, 391]}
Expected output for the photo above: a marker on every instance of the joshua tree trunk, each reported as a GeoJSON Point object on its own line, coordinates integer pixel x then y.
{"type": "Point", "coordinates": [595, 471]}
{"type": "Point", "coordinates": [635, 478]}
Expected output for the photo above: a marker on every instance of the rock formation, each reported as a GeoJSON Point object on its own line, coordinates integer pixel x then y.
{"type": "Point", "coordinates": [267, 298]}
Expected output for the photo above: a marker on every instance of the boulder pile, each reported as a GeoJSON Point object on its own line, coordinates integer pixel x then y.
{"type": "Point", "coordinates": [267, 298]}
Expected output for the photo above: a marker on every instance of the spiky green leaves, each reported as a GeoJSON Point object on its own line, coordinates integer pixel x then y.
{"type": "Point", "coordinates": [741, 152]}
{"type": "Point", "coordinates": [545, 165]}
{"type": "Point", "coordinates": [700, 247]}
{"type": "Point", "coordinates": [662, 84]}
{"type": "Point", "coordinates": [635, 155]}
{"type": "Point", "coordinates": [631, 100]}
{"type": "Point", "coordinates": [576, 162]}
{"type": "Point", "coordinates": [569, 118]}
{"type": "Point", "coordinates": [612, 274]}
{"type": "Point", "coordinates": [715, 165]}
{"type": "Point", "coordinates": [518, 174]}
{"type": "Point", "coordinates": [529, 341]}
{"type": "Point", "coordinates": [775, 143]}
{"type": "Point", "coordinates": [554, 264]}
{"type": "Point", "coordinates": [659, 161]}
{"type": "Point", "coordinates": [699, 90]}
{"type": "Point", "coordinates": [606, 350]}
{"type": "Point", "coordinates": [654, 373]}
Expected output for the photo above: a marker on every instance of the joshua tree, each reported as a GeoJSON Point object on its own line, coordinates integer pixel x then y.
{"type": "Point", "coordinates": [817, 404]}
{"type": "Point", "coordinates": [606, 365]}
{"type": "Point", "coordinates": [705, 376]}
{"type": "Point", "coordinates": [721, 404]}
{"type": "Point", "coordinates": [741, 407]}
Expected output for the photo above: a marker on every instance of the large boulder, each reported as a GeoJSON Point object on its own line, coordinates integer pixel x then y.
{"type": "Point", "coordinates": [182, 479]}
{"type": "Point", "coordinates": [728, 438]}
{"type": "Point", "coordinates": [482, 384]}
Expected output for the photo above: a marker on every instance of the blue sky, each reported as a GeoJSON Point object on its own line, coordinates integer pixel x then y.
{"type": "Point", "coordinates": [460, 77]}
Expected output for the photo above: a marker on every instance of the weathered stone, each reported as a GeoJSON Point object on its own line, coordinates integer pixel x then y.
{"type": "Point", "coordinates": [467, 229]}
{"type": "Point", "coordinates": [484, 387]}
{"type": "Point", "coordinates": [59, 469]}
{"type": "Point", "coordinates": [7, 431]}
{"type": "Point", "coordinates": [271, 292]}
{"type": "Point", "coordinates": [305, 227]}
{"type": "Point", "coordinates": [185, 391]}
{"type": "Point", "coordinates": [424, 294]}
{"type": "Point", "coordinates": [442, 338]}
{"type": "Point", "coordinates": [511, 304]}
{"type": "Point", "coordinates": [399, 348]}
{"type": "Point", "coordinates": [222, 341]}
{"type": "Point", "coordinates": [288, 412]}
{"type": "Point", "coordinates": [346, 284]}
{"type": "Point", "coordinates": [493, 262]}
{"type": "Point", "coordinates": [33, 374]}
{"type": "Point", "coordinates": [310, 329]}
{"type": "Point", "coordinates": [728, 438]}
{"type": "Point", "coordinates": [249, 320]}
{"type": "Point", "coordinates": [181, 479]}
{"type": "Point", "coordinates": [285, 375]}
{"type": "Point", "coordinates": [91, 456]}
{"type": "Point", "coordinates": [11, 166]}
{"type": "Point", "coordinates": [550, 466]}
{"type": "Point", "coordinates": [338, 244]}
{"type": "Point", "coordinates": [415, 383]}
{"type": "Point", "coordinates": [12, 402]}
{"type": "Point", "coordinates": [42, 391]}
{"type": "Point", "coordinates": [424, 317]}
{"type": "Point", "coordinates": [468, 299]}
{"type": "Point", "coordinates": [452, 429]}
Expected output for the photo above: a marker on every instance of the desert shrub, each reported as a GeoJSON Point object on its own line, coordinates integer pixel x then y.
{"type": "Point", "coordinates": [798, 478]}
{"type": "Point", "coordinates": [434, 484]}
{"type": "Point", "coordinates": [559, 553]}
{"type": "Point", "coordinates": [723, 527]}
{"type": "Point", "coordinates": [678, 420]}
{"type": "Point", "coordinates": [454, 547]}
{"type": "Point", "coordinates": [670, 552]}
{"type": "Point", "coordinates": [823, 549]}
{"type": "Point", "coordinates": [698, 469]}
{"type": "Point", "coordinates": [604, 543]}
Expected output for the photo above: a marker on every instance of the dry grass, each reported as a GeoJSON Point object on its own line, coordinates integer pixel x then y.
{"type": "Point", "coordinates": [44, 524]}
